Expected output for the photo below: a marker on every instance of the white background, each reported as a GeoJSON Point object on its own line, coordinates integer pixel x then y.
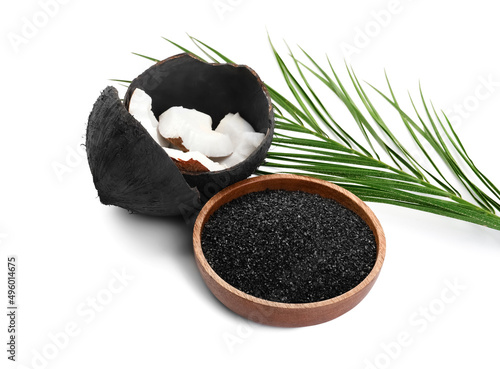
{"type": "Point", "coordinates": [69, 245]}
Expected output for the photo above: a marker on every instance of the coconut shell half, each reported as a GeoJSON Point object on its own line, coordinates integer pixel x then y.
{"type": "Point", "coordinates": [129, 168]}
{"type": "Point", "coordinates": [134, 172]}
{"type": "Point", "coordinates": [214, 89]}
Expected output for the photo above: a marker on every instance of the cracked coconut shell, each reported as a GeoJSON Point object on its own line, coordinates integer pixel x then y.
{"type": "Point", "coordinates": [132, 171]}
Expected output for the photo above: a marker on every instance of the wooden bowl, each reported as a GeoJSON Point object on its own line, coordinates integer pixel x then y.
{"type": "Point", "coordinates": [277, 313]}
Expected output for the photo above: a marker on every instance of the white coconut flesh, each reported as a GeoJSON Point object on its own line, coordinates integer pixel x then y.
{"type": "Point", "coordinates": [187, 158]}
{"type": "Point", "coordinates": [234, 125]}
{"type": "Point", "coordinates": [141, 109]}
{"type": "Point", "coordinates": [244, 138]}
{"type": "Point", "coordinates": [200, 147]}
{"type": "Point", "coordinates": [245, 145]}
{"type": "Point", "coordinates": [192, 130]}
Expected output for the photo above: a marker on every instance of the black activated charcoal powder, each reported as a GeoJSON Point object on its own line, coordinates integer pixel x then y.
{"type": "Point", "coordinates": [288, 246]}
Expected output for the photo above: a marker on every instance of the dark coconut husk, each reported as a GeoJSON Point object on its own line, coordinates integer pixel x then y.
{"type": "Point", "coordinates": [132, 171]}
{"type": "Point", "coordinates": [129, 168]}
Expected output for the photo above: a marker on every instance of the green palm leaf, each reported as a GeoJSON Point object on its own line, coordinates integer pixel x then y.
{"type": "Point", "coordinates": [310, 141]}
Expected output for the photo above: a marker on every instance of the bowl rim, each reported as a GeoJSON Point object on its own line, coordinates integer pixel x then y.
{"type": "Point", "coordinates": [208, 209]}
